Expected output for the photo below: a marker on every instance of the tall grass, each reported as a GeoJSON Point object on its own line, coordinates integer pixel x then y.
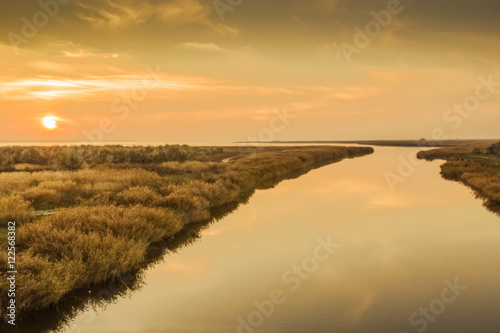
{"type": "Point", "coordinates": [485, 180]}
{"type": "Point", "coordinates": [80, 157]}
{"type": "Point", "coordinates": [14, 208]}
{"type": "Point", "coordinates": [84, 245]}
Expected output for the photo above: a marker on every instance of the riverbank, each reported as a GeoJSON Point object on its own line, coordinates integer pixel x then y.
{"type": "Point", "coordinates": [113, 213]}
{"type": "Point", "coordinates": [385, 143]}
{"type": "Point", "coordinates": [476, 165]}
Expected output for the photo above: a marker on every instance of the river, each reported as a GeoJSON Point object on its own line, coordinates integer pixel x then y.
{"type": "Point", "coordinates": [333, 251]}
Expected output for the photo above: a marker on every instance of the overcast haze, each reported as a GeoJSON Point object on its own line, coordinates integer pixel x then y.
{"type": "Point", "coordinates": [220, 76]}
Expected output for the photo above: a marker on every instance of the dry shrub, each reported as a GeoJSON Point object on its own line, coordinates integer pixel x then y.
{"type": "Point", "coordinates": [61, 189]}
{"type": "Point", "coordinates": [126, 178]}
{"type": "Point", "coordinates": [191, 166]}
{"type": "Point", "coordinates": [222, 192]}
{"type": "Point", "coordinates": [80, 246]}
{"type": "Point", "coordinates": [10, 181]}
{"type": "Point", "coordinates": [193, 208]}
{"type": "Point", "coordinates": [59, 185]}
{"type": "Point", "coordinates": [41, 283]}
{"type": "Point", "coordinates": [67, 180]}
{"type": "Point", "coordinates": [138, 223]}
{"type": "Point", "coordinates": [44, 281]}
{"type": "Point", "coordinates": [102, 199]}
{"type": "Point", "coordinates": [106, 187]}
{"type": "Point", "coordinates": [139, 195]}
{"type": "Point", "coordinates": [486, 184]}
{"type": "Point", "coordinates": [28, 167]}
{"type": "Point", "coordinates": [485, 180]}
{"type": "Point", "coordinates": [174, 165]}
{"type": "Point", "coordinates": [14, 208]}
{"type": "Point", "coordinates": [68, 190]}
{"type": "Point", "coordinates": [42, 197]}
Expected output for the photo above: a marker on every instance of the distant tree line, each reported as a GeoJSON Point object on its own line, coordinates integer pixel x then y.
{"type": "Point", "coordinates": [494, 149]}
{"type": "Point", "coordinates": [80, 157]}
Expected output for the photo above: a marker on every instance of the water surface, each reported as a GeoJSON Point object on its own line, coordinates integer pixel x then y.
{"type": "Point", "coordinates": [398, 253]}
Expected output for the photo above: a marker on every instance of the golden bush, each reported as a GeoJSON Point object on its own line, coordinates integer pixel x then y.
{"type": "Point", "coordinates": [14, 208]}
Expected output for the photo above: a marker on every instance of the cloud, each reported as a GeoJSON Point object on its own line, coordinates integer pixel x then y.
{"type": "Point", "coordinates": [86, 54]}
{"type": "Point", "coordinates": [92, 87]}
{"type": "Point", "coordinates": [425, 30]}
{"type": "Point", "coordinates": [210, 47]}
{"type": "Point", "coordinates": [128, 14]}
{"type": "Point", "coordinates": [113, 26]}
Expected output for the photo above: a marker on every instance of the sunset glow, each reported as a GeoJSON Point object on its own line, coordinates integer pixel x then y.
{"type": "Point", "coordinates": [220, 69]}
{"type": "Point", "coordinates": [242, 166]}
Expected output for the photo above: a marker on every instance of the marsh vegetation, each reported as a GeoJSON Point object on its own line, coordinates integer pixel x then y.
{"type": "Point", "coordinates": [106, 213]}
{"type": "Point", "coordinates": [477, 165]}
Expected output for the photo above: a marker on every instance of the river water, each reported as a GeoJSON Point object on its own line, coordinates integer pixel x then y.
{"type": "Point", "coordinates": [332, 251]}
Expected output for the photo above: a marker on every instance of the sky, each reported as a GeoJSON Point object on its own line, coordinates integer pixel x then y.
{"type": "Point", "coordinates": [233, 70]}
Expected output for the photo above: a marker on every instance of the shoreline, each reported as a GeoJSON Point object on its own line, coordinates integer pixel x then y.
{"type": "Point", "coordinates": [386, 143]}
{"type": "Point", "coordinates": [473, 165]}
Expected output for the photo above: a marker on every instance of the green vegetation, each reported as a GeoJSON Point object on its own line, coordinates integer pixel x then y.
{"type": "Point", "coordinates": [494, 149]}
{"type": "Point", "coordinates": [476, 165]}
{"type": "Point", "coordinates": [109, 215]}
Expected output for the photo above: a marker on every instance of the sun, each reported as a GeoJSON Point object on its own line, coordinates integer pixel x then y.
{"type": "Point", "coordinates": [50, 122]}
